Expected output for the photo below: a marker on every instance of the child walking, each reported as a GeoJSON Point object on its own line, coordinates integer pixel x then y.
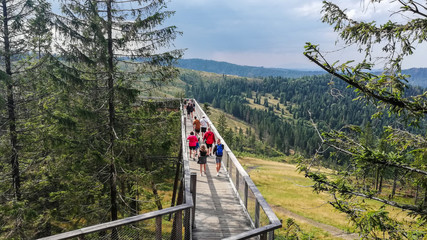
{"type": "Point", "coordinates": [202, 159]}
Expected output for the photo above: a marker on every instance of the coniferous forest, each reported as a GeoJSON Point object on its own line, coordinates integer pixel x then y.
{"type": "Point", "coordinates": [77, 144]}
{"type": "Point", "coordinates": [287, 125]}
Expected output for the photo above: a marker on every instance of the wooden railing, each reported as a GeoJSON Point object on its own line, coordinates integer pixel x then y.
{"type": "Point", "coordinates": [263, 219]}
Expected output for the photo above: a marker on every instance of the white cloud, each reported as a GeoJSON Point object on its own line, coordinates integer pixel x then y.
{"type": "Point", "coordinates": [268, 33]}
{"type": "Point", "coordinates": [311, 9]}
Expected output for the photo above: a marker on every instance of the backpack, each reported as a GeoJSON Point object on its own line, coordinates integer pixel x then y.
{"type": "Point", "coordinates": [219, 149]}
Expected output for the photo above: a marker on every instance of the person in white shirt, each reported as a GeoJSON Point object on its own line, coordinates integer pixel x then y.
{"type": "Point", "coordinates": [204, 125]}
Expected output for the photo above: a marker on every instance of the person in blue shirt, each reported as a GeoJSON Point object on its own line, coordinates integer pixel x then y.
{"type": "Point", "coordinates": [219, 151]}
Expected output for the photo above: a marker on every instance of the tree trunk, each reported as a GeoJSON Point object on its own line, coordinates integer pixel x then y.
{"type": "Point", "coordinates": [156, 196]}
{"type": "Point", "coordinates": [380, 184]}
{"type": "Point", "coordinates": [134, 205]}
{"type": "Point", "coordinates": [364, 182]}
{"type": "Point", "coordinates": [111, 112]}
{"type": "Point", "coordinates": [377, 176]}
{"type": "Point", "coordinates": [417, 193]}
{"type": "Point", "coordinates": [425, 197]}
{"type": "Point", "coordinates": [16, 181]}
{"type": "Point", "coordinates": [393, 191]}
{"type": "Point", "coordinates": [113, 191]}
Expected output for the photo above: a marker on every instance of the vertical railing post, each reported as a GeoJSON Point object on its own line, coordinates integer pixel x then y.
{"type": "Point", "coordinates": [178, 233]}
{"type": "Point", "coordinates": [159, 228]}
{"type": "Point", "coordinates": [187, 224]}
{"type": "Point", "coordinates": [230, 170]}
{"type": "Point", "coordinates": [246, 195]}
{"type": "Point", "coordinates": [175, 183]}
{"type": "Point", "coordinates": [237, 182]}
{"type": "Point", "coordinates": [227, 163]}
{"type": "Point", "coordinates": [193, 190]}
{"type": "Point", "coordinates": [271, 235]}
{"type": "Point", "coordinates": [177, 221]}
{"type": "Point", "coordinates": [256, 213]}
{"type": "Point", "coordinates": [263, 236]}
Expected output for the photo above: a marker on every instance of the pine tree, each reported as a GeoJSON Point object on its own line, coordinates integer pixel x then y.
{"type": "Point", "coordinates": [222, 124]}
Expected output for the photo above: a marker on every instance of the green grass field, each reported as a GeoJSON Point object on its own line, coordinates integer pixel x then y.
{"type": "Point", "coordinates": [286, 189]}
{"type": "Point", "coordinates": [232, 122]}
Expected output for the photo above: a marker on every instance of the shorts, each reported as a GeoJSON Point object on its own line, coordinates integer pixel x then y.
{"type": "Point", "coordinates": [202, 160]}
{"type": "Point", "coordinates": [208, 145]}
{"type": "Point", "coordinates": [203, 129]}
{"type": "Point", "coordinates": [197, 131]}
{"type": "Point", "coordinates": [193, 148]}
{"type": "Point", "coordinates": [218, 159]}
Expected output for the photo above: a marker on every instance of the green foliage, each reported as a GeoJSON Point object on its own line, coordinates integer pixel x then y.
{"type": "Point", "coordinates": [206, 108]}
{"type": "Point", "coordinates": [222, 124]}
{"type": "Point", "coordinates": [76, 120]}
{"type": "Point", "coordinates": [399, 149]}
{"type": "Point", "coordinates": [293, 231]}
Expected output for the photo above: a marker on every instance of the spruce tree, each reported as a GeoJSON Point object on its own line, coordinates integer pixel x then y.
{"type": "Point", "coordinates": [17, 59]}
{"type": "Point", "coordinates": [23, 24]}
{"type": "Point", "coordinates": [112, 50]}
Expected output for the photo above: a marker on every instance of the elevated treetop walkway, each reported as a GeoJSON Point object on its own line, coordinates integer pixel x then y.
{"type": "Point", "coordinates": [209, 207]}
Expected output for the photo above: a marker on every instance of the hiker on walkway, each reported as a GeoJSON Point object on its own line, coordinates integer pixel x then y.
{"type": "Point", "coordinates": [192, 143]}
{"type": "Point", "coordinates": [204, 125]}
{"type": "Point", "coordinates": [218, 150]}
{"type": "Point", "coordinates": [190, 109]}
{"type": "Point", "coordinates": [196, 126]}
{"type": "Point", "coordinates": [198, 146]}
{"type": "Point", "coordinates": [202, 159]}
{"type": "Point", "coordinates": [209, 138]}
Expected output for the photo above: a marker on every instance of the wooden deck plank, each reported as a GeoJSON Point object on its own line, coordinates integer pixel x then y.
{"type": "Point", "coordinates": [219, 213]}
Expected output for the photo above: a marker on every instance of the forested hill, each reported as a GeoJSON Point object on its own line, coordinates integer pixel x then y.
{"type": "Point", "coordinates": [418, 75]}
{"type": "Point", "coordinates": [279, 108]}
{"type": "Point", "coordinates": [243, 71]}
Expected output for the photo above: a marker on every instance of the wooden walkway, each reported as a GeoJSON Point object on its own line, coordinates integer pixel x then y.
{"type": "Point", "coordinates": [219, 213]}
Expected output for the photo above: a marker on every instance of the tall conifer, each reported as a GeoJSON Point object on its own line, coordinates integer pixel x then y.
{"type": "Point", "coordinates": [111, 47]}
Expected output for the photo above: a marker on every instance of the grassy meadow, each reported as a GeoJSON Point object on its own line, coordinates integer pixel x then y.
{"type": "Point", "coordinates": [287, 190]}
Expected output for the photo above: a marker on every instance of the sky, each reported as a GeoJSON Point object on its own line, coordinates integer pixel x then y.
{"type": "Point", "coordinates": [268, 33]}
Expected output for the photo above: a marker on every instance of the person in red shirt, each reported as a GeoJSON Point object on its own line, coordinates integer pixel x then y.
{"type": "Point", "coordinates": [192, 143]}
{"type": "Point", "coordinates": [209, 138]}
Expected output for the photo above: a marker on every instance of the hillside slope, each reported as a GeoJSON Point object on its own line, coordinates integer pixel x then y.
{"type": "Point", "coordinates": [418, 75]}
{"type": "Point", "coordinates": [243, 71]}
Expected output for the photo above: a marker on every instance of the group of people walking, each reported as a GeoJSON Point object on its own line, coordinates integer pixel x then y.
{"type": "Point", "coordinates": [202, 147]}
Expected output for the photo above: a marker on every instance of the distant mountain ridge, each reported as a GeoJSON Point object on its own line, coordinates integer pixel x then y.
{"type": "Point", "coordinates": [242, 71]}
{"type": "Point", "coordinates": [418, 75]}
